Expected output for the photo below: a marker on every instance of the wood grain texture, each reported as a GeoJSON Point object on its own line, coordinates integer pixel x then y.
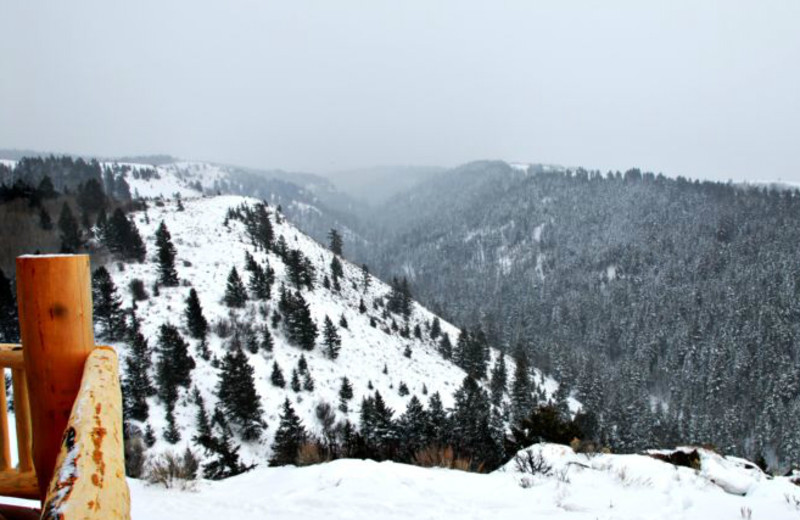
{"type": "Point", "coordinates": [89, 480]}
{"type": "Point", "coordinates": [55, 314]}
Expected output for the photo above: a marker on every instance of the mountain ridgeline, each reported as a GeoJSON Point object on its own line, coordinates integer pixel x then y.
{"type": "Point", "coordinates": [245, 342]}
{"type": "Point", "coordinates": [671, 307]}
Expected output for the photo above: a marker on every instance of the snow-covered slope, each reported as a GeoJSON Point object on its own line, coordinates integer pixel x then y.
{"type": "Point", "coordinates": [206, 252]}
{"type": "Point", "coordinates": [577, 487]}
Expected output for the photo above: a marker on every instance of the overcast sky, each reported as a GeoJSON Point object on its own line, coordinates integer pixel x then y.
{"type": "Point", "coordinates": [705, 89]}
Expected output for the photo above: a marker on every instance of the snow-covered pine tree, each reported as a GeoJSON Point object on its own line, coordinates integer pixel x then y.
{"type": "Point", "coordinates": [108, 313]}
{"type": "Point", "coordinates": [384, 429]}
{"type": "Point", "coordinates": [195, 321]}
{"type": "Point", "coordinates": [331, 339]}
{"type": "Point", "coordinates": [499, 380]}
{"type": "Point", "coordinates": [412, 428]}
{"type": "Point", "coordinates": [521, 399]}
{"type": "Point", "coordinates": [472, 431]}
{"type": "Point", "coordinates": [289, 437]}
{"type": "Point", "coordinates": [235, 293]}
{"type": "Point", "coordinates": [438, 428]}
{"type": "Point", "coordinates": [237, 394]}
{"type": "Point", "coordinates": [167, 275]}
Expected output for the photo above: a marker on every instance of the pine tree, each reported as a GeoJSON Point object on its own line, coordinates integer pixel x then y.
{"type": "Point", "coordinates": [345, 394]}
{"type": "Point", "coordinates": [308, 382]}
{"type": "Point", "coordinates": [108, 313]}
{"type": "Point", "coordinates": [235, 293]}
{"type": "Point", "coordinates": [260, 283]}
{"type": "Point", "coordinates": [412, 428]}
{"type": "Point", "coordinates": [70, 235]}
{"type": "Point", "coordinates": [237, 394]}
{"type": "Point", "coordinates": [300, 327]}
{"type": "Point", "coordinates": [331, 339]}
{"type": "Point", "coordinates": [361, 307]}
{"type": "Point", "coordinates": [337, 271]}
{"type": "Point", "coordinates": [302, 364]}
{"type": "Point", "coordinates": [171, 433]}
{"type": "Point", "coordinates": [472, 430]}
{"type": "Point", "coordinates": [402, 389]}
{"type": "Point", "coordinates": [174, 365]}
{"type": "Point", "coordinates": [203, 424]}
{"type": "Point", "coordinates": [277, 376]}
{"type": "Point", "coordinates": [289, 437]}
{"type": "Point", "coordinates": [195, 321]}
{"type": "Point", "coordinates": [149, 436]}
{"type": "Point", "coordinates": [9, 324]}
{"type": "Point", "coordinates": [295, 382]}
{"type": "Point", "coordinates": [224, 457]}
{"type": "Point", "coordinates": [122, 237]}
{"type": "Point", "coordinates": [385, 431]}
{"type": "Point", "coordinates": [438, 427]}
{"type": "Point", "coordinates": [45, 222]}
{"type": "Point", "coordinates": [499, 380]}
{"type": "Point", "coordinates": [436, 328]}
{"type": "Point", "coordinates": [167, 275]}
{"type": "Point", "coordinates": [366, 279]}
{"type": "Point", "coordinates": [335, 242]}
{"type": "Point", "coordinates": [267, 345]}
{"type": "Point", "coordinates": [343, 322]}
{"type": "Point", "coordinates": [136, 382]}
{"type": "Point", "coordinates": [521, 398]}
{"type": "Point", "coordinates": [445, 347]}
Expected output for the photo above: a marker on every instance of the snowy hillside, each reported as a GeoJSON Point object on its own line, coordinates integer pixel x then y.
{"type": "Point", "coordinates": [577, 487]}
{"type": "Point", "coordinates": [207, 249]}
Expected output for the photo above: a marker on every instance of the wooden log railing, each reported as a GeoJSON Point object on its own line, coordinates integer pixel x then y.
{"type": "Point", "coordinates": [67, 399]}
{"type": "Point", "coordinates": [17, 481]}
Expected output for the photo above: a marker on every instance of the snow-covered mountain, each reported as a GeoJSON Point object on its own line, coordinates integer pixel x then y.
{"type": "Point", "coordinates": [208, 246]}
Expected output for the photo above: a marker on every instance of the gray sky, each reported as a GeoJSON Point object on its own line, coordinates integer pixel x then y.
{"type": "Point", "coordinates": [698, 88]}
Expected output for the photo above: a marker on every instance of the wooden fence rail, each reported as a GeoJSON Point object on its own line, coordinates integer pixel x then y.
{"type": "Point", "coordinates": [66, 396]}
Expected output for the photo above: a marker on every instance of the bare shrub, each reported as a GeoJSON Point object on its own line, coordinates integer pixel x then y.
{"type": "Point", "coordinates": [532, 463]}
{"type": "Point", "coordinates": [443, 457]}
{"type": "Point", "coordinates": [134, 457]}
{"type": "Point", "coordinates": [311, 453]}
{"type": "Point", "coordinates": [173, 471]}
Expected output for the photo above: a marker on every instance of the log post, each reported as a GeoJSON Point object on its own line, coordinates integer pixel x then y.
{"type": "Point", "coordinates": [55, 314]}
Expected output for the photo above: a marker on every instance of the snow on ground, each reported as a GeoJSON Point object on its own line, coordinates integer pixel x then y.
{"type": "Point", "coordinates": [173, 178]}
{"type": "Point", "coordinates": [206, 251]}
{"type": "Point", "coordinates": [579, 487]}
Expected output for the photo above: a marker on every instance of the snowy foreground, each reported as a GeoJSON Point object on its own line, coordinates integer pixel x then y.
{"type": "Point", "coordinates": [579, 487]}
